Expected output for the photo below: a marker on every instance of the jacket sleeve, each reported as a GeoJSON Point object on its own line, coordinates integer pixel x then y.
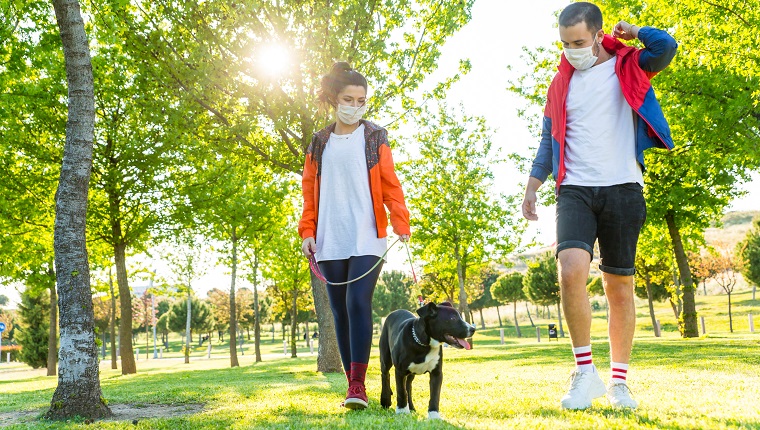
{"type": "Point", "coordinates": [542, 164]}
{"type": "Point", "coordinates": [393, 195]}
{"type": "Point", "coordinates": [307, 226]}
{"type": "Point", "coordinates": [660, 48]}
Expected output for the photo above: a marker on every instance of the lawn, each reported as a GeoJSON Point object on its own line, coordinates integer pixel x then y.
{"type": "Point", "coordinates": [710, 382]}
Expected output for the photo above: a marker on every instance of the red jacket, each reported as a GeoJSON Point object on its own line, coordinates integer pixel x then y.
{"type": "Point", "coordinates": [634, 68]}
{"type": "Point", "coordinates": [384, 186]}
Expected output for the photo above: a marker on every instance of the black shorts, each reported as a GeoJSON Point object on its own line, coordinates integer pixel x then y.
{"type": "Point", "coordinates": [614, 215]}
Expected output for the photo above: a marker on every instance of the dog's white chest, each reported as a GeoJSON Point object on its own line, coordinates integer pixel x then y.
{"type": "Point", "coordinates": [431, 359]}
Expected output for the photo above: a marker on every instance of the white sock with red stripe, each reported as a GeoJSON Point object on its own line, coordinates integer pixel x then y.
{"type": "Point", "coordinates": [619, 373]}
{"type": "Point", "coordinates": [583, 360]}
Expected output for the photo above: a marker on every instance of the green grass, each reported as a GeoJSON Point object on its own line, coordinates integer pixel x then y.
{"type": "Point", "coordinates": [710, 382]}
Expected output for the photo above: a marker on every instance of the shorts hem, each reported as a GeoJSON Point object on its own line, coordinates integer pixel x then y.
{"type": "Point", "coordinates": [568, 244]}
{"type": "Point", "coordinates": [617, 270]}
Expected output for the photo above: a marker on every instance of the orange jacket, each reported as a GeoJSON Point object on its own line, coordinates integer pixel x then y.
{"type": "Point", "coordinates": [384, 186]}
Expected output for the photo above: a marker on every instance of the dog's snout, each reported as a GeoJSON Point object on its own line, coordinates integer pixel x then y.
{"type": "Point", "coordinates": [470, 329]}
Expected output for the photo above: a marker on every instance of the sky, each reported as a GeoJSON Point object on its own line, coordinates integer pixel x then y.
{"type": "Point", "coordinates": [492, 41]}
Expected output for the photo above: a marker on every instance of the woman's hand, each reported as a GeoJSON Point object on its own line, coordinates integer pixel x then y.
{"type": "Point", "coordinates": [309, 247]}
{"type": "Point", "coordinates": [404, 238]}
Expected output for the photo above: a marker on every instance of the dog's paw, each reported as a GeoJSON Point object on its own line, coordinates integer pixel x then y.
{"type": "Point", "coordinates": [404, 410]}
{"type": "Point", "coordinates": [434, 415]}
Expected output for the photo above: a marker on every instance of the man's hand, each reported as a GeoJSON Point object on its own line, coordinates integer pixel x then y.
{"type": "Point", "coordinates": [308, 247]}
{"type": "Point", "coordinates": [529, 202]}
{"type": "Point", "coordinates": [625, 31]}
{"type": "Point", "coordinates": [529, 206]}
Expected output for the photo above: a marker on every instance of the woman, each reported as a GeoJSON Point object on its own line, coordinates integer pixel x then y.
{"type": "Point", "coordinates": [347, 178]}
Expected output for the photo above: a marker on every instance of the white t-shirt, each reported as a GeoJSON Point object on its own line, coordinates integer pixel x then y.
{"type": "Point", "coordinates": [600, 141]}
{"type": "Point", "coordinates": [346, 226]}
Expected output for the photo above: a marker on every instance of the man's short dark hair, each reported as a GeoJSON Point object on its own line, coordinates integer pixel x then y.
{"type": "Point", "coordinates": [582, 12]}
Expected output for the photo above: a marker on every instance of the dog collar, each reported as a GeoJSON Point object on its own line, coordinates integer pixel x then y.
{"type": "Point", "coordinates": [416, 339]}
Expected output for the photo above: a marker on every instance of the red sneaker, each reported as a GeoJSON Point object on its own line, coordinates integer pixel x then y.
{"type": "Point", "coordinates": [356, 398]}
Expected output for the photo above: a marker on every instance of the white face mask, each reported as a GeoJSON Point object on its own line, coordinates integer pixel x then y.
{"type": "Point", "coordinates": [350, 115]}
{"type": "Point", "coordinates": [581, 58]}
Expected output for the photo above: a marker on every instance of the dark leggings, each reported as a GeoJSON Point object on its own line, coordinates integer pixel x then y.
{"type": "Point", "coordinates": [352, 305]}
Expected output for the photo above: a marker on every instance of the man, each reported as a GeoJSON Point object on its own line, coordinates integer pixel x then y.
{"type": "Point", "coordinates": [601, 114]}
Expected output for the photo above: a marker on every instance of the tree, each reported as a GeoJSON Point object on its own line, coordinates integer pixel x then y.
{"type": "Point", "coordinates": [245, 312]}
{"type": "Point", "coordinates": [188, 263]}
{"type": "Point", "coordinates": [484, 295]}
{"type": "Point", "coordinates": [541, 283]}
{"type": "Point", "coordinates": [234, 200]}
{"type": "Point", "coordinates": [726, 276]}
{"type": "Point", "coordinates": [702, 267]}
{"type": "Point", "coordinates": [288, 273]}
{"type": "Point", "coordinates": [215, 53]}
{"type": "Point", "coordinates": [394, 291]}
{"type": "Point", "coordinates": [201, 319]}
{"type": "Point", "coordinates": [220, 309]}
{"type": "Point", "coordinates": [508, 288]}
{"type": "Point", "coordinates": [33, 123]}
{"type": "Point", "coordinates": [458, 220]}
{"type": "Point", "coordinates": [749, 252]}
{"type": "Point", "coordinates": [144, 315]}
{"type": "Point", "coordinates": [78, 391]}
{"type": "Point", "coordinates": [162, 327]}
{"type": "Point", "coordinates": [33, 332]}
{"type": "Point", "coordinates": [714, 119]}
{"type": "Point", "coordinates": [654, 271]}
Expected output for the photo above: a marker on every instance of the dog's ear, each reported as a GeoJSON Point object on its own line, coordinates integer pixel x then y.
{"type": "Point", "coordinates": [447, 304]}
{"type": "Point", "coordinates": [428, 311]}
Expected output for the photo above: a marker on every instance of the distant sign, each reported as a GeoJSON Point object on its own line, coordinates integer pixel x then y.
{"type": "Point", "coordinates": [2, 327]}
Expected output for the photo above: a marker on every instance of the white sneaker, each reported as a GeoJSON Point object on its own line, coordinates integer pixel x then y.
{"type": "Point", "coordinates": [619, 396]}
{"type": "Point", "coordinates": [584, 387]}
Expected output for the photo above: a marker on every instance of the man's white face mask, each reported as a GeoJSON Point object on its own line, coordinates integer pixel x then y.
{"type": "Point", "coordinates": [582, 58]}
{"type": "Point", "coordinates": [350, 115]}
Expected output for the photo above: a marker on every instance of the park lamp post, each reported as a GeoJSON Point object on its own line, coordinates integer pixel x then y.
{"type": "Point", "coordinates": [153, 312]}
{"type": "Point", "coordinates": [2, 329]}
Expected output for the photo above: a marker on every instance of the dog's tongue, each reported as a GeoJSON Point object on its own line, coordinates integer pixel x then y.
{"type": "Point", "coordinates": [463, 342]}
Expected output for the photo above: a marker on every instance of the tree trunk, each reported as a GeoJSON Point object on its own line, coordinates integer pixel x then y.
{"type": "Point", "coordinates": [112, 322]}
{"type": "Point", "coordinates": [730, 319]}
{"type": "Point", "coordinates": [498, 314]}
{"type": "Point", "coordinates": [517, 325]}
{"type": "Point", "coordinates": [688, 319]}
{"type": "Point", "coordinates": [527, 309]}
{"type": "Point", "coordinates": [233, 311]}
{"type": "Point", "coordinates": [52, 355]}
{"type": "Point", "coordinates": [293, 324]}
{"type": "Point", "coordinates": [256, 315]}
{"type": "Point", "coordinates": [651, 309]}
{"type": "Point", "coordinates": [559, 313]}
{"type": "Point", "coordinates": [461, 274]}
{"type": "Point", "coordinates": [675, 309]}
{"type": "Point", "coordinates": [128, 365]}
{"type": "Point", "coordinates": [482, 321]}
{"type": "Point", "coordinates": [188, 333]}
{"type": "Point", "coordinates": [754, 288]}
{"type": "Point", "coordinates": [328, 357]}
{"type": "Point", "coordinates": [78, 392]}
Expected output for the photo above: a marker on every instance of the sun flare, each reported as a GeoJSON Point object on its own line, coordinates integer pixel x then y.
{"type": "Point", "coordinates": [273, 59]}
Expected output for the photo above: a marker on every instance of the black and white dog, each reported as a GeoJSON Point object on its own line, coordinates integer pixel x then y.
{"type": "Point", "coordinates": [413, 345]}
